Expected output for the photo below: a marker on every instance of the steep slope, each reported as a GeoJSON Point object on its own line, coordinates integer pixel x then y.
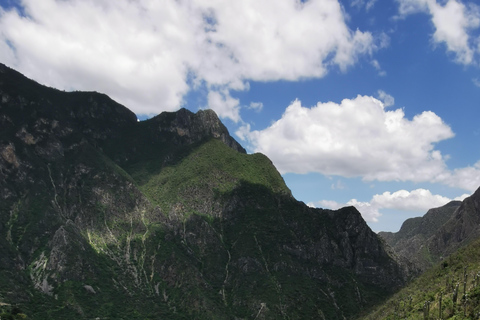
{"type": "Point", "coordinates": [445, 243]}
{"type": "Point", "coordinates": [450, 290]}
{"type": "Point", "coordinates": [462, 228]}
{"type": "Point", "coordinates": [410, 240]}
{"type": "Point", "coordinates": [104, 216]}
{"type": "Point", "coordinates": [427, 240]}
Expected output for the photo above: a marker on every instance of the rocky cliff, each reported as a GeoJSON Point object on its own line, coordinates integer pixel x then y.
{"type": "Point", "coordinates": [104, 216]}
{"type": "Point", "coordinates": [462, 228]}
{"type": "Point", "coordinates": [411, 240]}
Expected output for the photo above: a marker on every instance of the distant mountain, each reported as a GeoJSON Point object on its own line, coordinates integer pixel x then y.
{"type": "Point", "coordinates": [102, 216]}
{"type": "Point", "coordinates": [444, 245]}
{"type": "Point", "coordinates": [427, 240]}
{"type": "Point", "coordinates": [410, 240]}
{"type": "Point", "coordinates": [461, 229]}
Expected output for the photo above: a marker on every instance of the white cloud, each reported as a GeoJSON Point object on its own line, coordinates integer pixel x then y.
{"type": "Point", "coordinates": [115, 47]}
{"type": "Point", "coordinates": [416, 200]}
{"type": "Point", "coordinates": [338, 185]}
{"type": "Point", "coordinates": [224, 105]}
{"type": "Point", "coordinates": [419, 200]}
{"type": "Point", "coordinates": [360, 138]}
{"type": "Point", "coordinates": [367, 3]}
{"type": "Point", "coordinates": [369, 212]}
{"type": "Point", "coordinates": [257, 106]}
{"type": "Point", "coordinates": [462, 197]}
{"type": "Point", "coordinates": [387, 99]}
{"type": "Point", "coordinates": [357, 137]}
{"type": "Point", "coordinates": [148, 55]}
{"type": "Point", "coordinates": [243, 132]}
{"type": "Point", "coordinates": [327, 204]}
{"type": "Point", "coordinates": [467, 178]}
{"type": "Point", "coordinates": [453, 22]}
{"type": "Point", "coordinates": [377, 66]}
{"type": "Point", "coordinates": [7, 52]}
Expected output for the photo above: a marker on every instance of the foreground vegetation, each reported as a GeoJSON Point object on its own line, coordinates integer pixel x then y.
{"type": "Point", "coordinates": [451, 290]}
{"type": "Point", "coordinates": [7, 312]}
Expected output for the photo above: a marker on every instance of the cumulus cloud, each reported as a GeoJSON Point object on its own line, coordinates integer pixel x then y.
{"type": "Point", "coordinates": [419, 200]}
{"type": "Point", "coordinates": [355, 138]}
{"type": "Point", "coordinates": [467, 178]}
{"type": "Point", "coordinates": [360, 138]}
{"type": "Point", "coordinates": [148, 55]}
{"type": "Point", "coordinates": [416, 200]}
{"type": "Point", "coordinates": [224, 105]}
{"type": "Point", "coordinates": [453, 22]}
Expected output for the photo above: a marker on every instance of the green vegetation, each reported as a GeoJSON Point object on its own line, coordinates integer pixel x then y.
{"type": "Point", "coordinates": [206, 171]}
{"type": "Point", "coordinates": [453, 285]}
{"type": "Point", "coordinates": [8, 312]}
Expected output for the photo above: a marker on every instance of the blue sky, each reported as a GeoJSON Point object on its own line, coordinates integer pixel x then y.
{"type": "Point", "coordinates": [360, 102]}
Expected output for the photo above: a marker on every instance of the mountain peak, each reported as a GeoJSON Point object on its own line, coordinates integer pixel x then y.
{"type": "Point", "coordinates": [194, 127]}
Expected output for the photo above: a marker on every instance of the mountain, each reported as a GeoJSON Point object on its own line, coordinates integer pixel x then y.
{"type": "Point", "coordinates": [450, 290]}
{"type": "Point", "coordinates": [461, 229]}
{"type": "Point", "coordinates": [103, 216]}
{"type": "Point", "coordinates": [427, 240]}
{"type": "Point", "coordinates": [409, 241]}
{"type": "Point", "coordinates": [445, 245]}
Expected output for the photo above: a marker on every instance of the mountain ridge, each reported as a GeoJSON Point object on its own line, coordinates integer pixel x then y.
{"type": "Point", "coordinates": [105, 216]}
{"type": "Point", "coordinates": [409, 241]}
{"type": "Point", "coordinates": [462, 228]}
{"type": "Point", "coordinates": [427, 240]}
{"type": "Point", "coordinates": [444, 246]}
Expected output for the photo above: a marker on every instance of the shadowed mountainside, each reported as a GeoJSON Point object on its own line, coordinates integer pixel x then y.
{"type": "Point", "coordinates": [104, 216]}
{"type": "Point", "coordinates": [410, 241]}
{"type": "Point", "coordinates": [460, 230]}
{"type": "Point", "coordinates": [427, 240]}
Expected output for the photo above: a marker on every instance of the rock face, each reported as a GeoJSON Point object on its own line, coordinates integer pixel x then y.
{"type": "Point", "coordinates": [410, 241]}
{"type": "Point", "coordinates": [104, 216]}
{"type": "Point", "coordinates": [428, 240]}
{"type": "Point", "coordinates": [191, 128]}
{"type": "Point", "coordinates": [462, 228]}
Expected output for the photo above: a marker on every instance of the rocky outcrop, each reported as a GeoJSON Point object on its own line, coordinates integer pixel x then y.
{"type": "Point", "coordinates": [368, 256]}
{"type": "Point", "coordinates": [194, 127]}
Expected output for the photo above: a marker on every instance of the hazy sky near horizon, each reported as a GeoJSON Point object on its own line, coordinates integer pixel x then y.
{"type": "Point", "coordinates": [368, 103]}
